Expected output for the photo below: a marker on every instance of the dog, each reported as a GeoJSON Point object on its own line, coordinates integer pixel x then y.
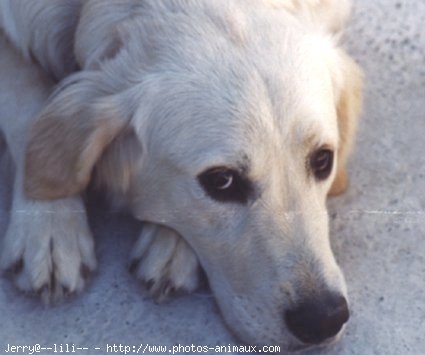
{"type": "Point", "coordinates": [222, 124]}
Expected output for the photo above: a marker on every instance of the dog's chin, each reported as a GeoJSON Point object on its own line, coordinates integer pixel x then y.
{"type": "Point", "coordinates": [300, 348]}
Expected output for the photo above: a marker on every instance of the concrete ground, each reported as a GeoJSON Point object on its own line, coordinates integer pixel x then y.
{"type": "Point", "coordinates": [377, 228]}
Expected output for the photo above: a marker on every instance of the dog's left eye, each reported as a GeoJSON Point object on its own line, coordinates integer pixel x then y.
{"type": "Point", "coordinates": [321, 163]}
{"type": "Point", "coordinates": [225, 185]}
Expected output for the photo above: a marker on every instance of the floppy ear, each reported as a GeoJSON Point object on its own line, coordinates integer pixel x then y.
{"type": "Point", "coordinates": [69, 137]}
{"type": "Point", "coordinates": [118, 164]}
{"type": "Point", "coordinates": [349, 105]}
{"type": "Point", "coordinates": [330, 14]}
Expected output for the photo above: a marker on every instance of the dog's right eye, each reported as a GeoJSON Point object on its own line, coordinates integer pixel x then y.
{"type": "Point", "coordinates": [225, 185]}
{"type": "Point", "coordinates": [321, 163]}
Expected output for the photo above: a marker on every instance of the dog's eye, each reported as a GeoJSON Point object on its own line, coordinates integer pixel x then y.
{"type": "Point", "coordinates": [225, 185]}
{"type": "Point", "coordinates": [221, 180]}
{"type": "Point", "coordinates": [321, 163]}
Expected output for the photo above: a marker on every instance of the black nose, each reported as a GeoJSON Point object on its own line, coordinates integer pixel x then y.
{"type": "Point", "coordinates": [313, 322]}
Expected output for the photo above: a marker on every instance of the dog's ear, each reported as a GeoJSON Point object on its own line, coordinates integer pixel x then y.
{"type": "Point", "coordinates": [348, 107]}
{"type": "Point", "coordinates": [329, 14]}
{"type": "Point", "coordinates": [69, 137]}
{"type": "Point", "coordinates": [118, 165]}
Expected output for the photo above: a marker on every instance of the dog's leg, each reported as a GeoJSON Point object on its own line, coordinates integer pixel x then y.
{"type": "Point", "coordinates": [43, 31]}
{"type": "Point", "coordinates": [48, 247]}
{"type": "Point", "coordinates": [164, 262]}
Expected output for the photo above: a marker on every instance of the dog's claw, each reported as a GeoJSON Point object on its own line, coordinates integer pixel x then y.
{"type": "Point", "coordinates": [163, 292]}
{"type": "Point", "coordinates": [149, 284]}
{"type": "Point", "coordinates": [85, 271]}
{"type": "Point", "coordinates": [66, 291]}
{"type": "Point", "coordinates": [42, 289]}
{"type": "Point", "coordinates": [16, 267]}
{"type": "Point", "coordinates": [133, 266]}
{"type": "Point", "coordinates": [45, 293]}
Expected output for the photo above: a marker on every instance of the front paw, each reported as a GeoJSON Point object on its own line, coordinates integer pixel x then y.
{"type": "Point", "coordinates": [165, 263]}
{"type": "Point", "coordinates": [48, 248]}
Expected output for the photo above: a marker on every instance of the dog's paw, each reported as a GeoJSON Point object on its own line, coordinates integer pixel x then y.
{"type": "Point", "coordinates": [48, 248]}
{"type": "Point", "coordinates": [165, 263]}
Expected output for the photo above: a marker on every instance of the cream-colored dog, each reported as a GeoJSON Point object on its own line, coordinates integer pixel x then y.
{"type": "Point", "coordinates": [223, 124]}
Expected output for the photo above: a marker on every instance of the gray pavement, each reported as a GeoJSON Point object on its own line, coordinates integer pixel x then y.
{"type": "Point", "coordinates": [377, 227]}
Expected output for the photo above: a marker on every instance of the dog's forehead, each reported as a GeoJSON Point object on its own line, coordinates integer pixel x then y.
{"type": "Point", "coordinates": [201, 125]}
{"type": "Point", "coordinates": [236, 99]}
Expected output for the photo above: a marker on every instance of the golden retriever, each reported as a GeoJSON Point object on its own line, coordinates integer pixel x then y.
{"type": "Point", "coordinates": [222, 124]}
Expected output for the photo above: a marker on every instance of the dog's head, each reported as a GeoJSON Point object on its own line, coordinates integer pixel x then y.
{"type": "Point", "coordinates": [226, 125]}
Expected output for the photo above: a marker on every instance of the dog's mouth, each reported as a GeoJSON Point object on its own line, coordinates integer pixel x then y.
{"type": "Point", "coordinates": [303, 347]}
{"type": "Point", "coordinates": [300, 348]}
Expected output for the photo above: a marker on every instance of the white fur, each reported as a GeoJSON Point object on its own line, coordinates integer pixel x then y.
{"type": "Point", "coordinates": [170, 89]}
{"type": "Point", "coordinates": [49, 240]}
